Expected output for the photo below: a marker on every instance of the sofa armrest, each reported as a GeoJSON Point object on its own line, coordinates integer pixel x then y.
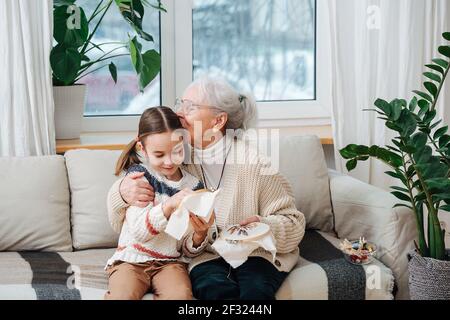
{"type": "Point", "coordinates": [361, 209]}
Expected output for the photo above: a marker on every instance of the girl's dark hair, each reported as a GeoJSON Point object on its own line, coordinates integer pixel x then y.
{"type": "Point", "coordinates": [153, 121]}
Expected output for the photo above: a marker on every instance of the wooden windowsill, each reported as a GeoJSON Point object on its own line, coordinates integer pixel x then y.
{"type": "Point", "coordinates": [118, 140]}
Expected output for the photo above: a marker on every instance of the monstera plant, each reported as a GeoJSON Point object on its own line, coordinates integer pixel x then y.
{"type": "Point", "coordinates": [71, 58]}
{"type": "Point", "coordinates": [419, 156]}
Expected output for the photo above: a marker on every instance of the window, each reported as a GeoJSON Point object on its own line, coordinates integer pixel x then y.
{"type": "Point", "coordinates": [276, 49]}
{"type": "Point", "coordinates": [266, 47]}
{"type": "Point", "coordinates": [104, 97]}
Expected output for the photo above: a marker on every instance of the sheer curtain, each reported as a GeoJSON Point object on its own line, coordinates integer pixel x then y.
{"type": "Point", "coordinates": [379, 48]}
{"type": "Point", "coordinates": [26, 109]}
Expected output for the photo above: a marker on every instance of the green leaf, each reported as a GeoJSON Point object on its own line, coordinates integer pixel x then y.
{"type": "Point", "coordinates": [434, 125]}
{"type": "Point", "coordinates": [396, 108]}
{"type": "Point", "coordinates": [65, 63]}
{"type": "Point", "coordinates": [150, 69]}
{"type": "Point", "coordinates": [413, 104]}
{"type": "Point", "coordinates": [431, 87]}
{"type": "Point", "coordinates": [113, 71]}
{"type": "Point", "coordinates": [440, 132]}
{"type": "Point", "coordinates": [429, 116]}
{"type": "Point", "coordinates": [435, 68]}
{"type": "Point", "coordinates": [419, 140]}
{"type": "Point", "coordinates": [384, 106]}
{"type": "Point", "coordinates": [351, 164]}
{"type": "Point", "coordinates": [70, 28]}
{"type": "Point", "coordinates": [135, 53]}
{"type": "Point", "coordinates": [133, 12]}
{"type": "Point", "coordinates": [446, 36]}
{"type": "Point", "coordinates": [399, 189]}
{"type": "Point", "coordinates": [445, 208]}
{"type": "Point", "coordinates": [423, 155]}
{"type": "Point", "coordinates": [401, 196]}
{"type": "Point", "coordinates": [433, 76]}
{"type": "Point", "coordinates": [444, 140]}
{"type": "Point", "coordinates": [407, 123]}
{"type": "Point", "coordinates": [423, 95]}
{"type": "Point", "coordinates": [445, 50]}
{"type": "Point", "coordinates": [441, 62]}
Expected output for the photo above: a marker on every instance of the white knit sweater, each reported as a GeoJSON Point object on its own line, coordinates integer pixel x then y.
{"type": "Point", "coordinates": [142, 237]}
{"type": "Point", "coordinates": [248, 189]}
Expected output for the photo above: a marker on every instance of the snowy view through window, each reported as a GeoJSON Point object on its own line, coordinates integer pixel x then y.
{"type": "Point", "coordinates": [266, 47]}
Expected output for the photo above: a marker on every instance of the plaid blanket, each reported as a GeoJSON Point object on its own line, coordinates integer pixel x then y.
{"type": "Point", "coordinates": [321, 273]}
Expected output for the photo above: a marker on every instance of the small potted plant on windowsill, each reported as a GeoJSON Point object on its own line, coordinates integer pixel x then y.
{"type": "Point", "coordinates": [70, 61]}
{"type": "Point", "coordinates": [420, 159]}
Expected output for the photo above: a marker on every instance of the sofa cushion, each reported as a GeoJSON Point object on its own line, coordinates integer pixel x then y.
{"type": "Point", "coordinates": [302, 162]}
{"type": "Point", "coordinates": [34, 206]}
{"type": "Point", "coordinates": [91, 175]}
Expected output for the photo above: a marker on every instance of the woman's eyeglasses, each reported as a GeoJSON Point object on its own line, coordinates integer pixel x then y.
{"type": "Point", "coordinates": [188, 106]}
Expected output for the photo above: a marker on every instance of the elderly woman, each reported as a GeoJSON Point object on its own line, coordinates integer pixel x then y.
{"type": "Point", "coordinates": [210, 108]}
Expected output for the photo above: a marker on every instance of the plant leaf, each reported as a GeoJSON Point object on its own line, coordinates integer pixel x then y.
{"type": "Point", "coordinates": [401, 196]}
{"type": "Point", "coordinates": [413, 104]}
{"type": "Point", "coordinates": [433, 76]}
{"type": "Point", "coordinates": [384, 106]}
{"type": "Point", "coordinates": [441, 62]}
{"type": "Point", "coordinates": [113, 71]}
{"type": "Point", "coordinates": [69, 30]}
{"type": "Point", "coordinates": [351, 164]}
{"type": "Point", "coordinates": [445, 50]}
{"type": "Point", "coordinates": [435, 68]}
{"type": "Point", "coordinates": [423, 95]}
{"type": "Point", "coordinates": [440, 132]}
{"type": "Point", "coordinates": [431, 87]}
{"type": "Point", "coordinates": [65, 63]}
{"type": "Point", "coordinates": [150, 68]}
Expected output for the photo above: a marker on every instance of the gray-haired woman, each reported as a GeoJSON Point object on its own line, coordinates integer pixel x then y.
{"type": "Point", "coordinates": [208, 109]}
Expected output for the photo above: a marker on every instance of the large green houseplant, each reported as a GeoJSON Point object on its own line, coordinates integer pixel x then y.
{"type": "Point", "coordinates": [419, 158]}
{"type": "Point", "coordinates": [71, 57]}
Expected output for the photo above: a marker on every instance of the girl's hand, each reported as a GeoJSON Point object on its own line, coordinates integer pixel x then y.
{"type": "Point", "coordinates": [171, 204]}
{"type": "Point", "coordinates": [250, 220]}
{"type": "Point", "coordinates": [201, 228]}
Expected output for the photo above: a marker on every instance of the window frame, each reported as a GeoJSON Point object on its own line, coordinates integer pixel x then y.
{"type": "Point", "coordinates": [176, 75]}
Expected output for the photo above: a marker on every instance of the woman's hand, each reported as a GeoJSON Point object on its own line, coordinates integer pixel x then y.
{"type": "Point", "coordinates": [250, 220]}
{"type": "Point", "coordinates": [135, 191]}
{"type": "Point", "coordinates": [201, 228]}
{"type": "Point", "coordinates": [171, 204]}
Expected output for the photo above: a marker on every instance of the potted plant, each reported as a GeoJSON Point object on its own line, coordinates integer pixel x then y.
{"type": "Point", "coordinates": [70, 57]}
{"type": "Point", "coordinates": [419, 158]}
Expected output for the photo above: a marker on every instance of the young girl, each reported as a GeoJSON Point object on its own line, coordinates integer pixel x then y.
{"type": "Point", "coordinates": [147, 257]}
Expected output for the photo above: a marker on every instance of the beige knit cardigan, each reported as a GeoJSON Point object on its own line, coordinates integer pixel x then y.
{"type": "Point", "coordinates": [250, 187]}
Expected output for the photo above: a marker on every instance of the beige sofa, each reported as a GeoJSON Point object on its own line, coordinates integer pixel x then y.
{"type": "Point", "coordinates": [55, 236]}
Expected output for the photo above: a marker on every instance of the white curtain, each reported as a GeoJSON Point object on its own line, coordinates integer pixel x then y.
{"type": "Point", "coordinates": [379, 49]}
{"type": "Point", "coordinates": [26, 107]}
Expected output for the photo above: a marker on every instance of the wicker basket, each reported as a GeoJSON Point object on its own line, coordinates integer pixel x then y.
{"type": "Point", "coordinates": [429, 279]}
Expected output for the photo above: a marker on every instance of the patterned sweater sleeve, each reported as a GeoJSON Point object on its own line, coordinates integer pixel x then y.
{"type": "Point", "coordinates": [146, 223]}
{"type": "Point", "coordinates": [277, 208]}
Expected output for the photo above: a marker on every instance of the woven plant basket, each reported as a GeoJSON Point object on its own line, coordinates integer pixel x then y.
{"type": "Point", "coordinates": [429, 279]}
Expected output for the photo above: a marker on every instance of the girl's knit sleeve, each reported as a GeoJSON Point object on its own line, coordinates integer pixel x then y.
{"type": "Point", "coordinates": [146, 223]}
{"type": "Point", "coordinates": [277, 209]}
